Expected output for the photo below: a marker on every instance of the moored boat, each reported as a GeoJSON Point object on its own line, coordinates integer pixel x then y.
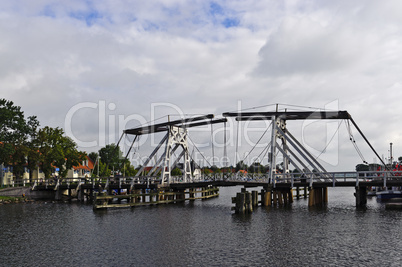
{"type": "Point", "coordinates": [388, 194]}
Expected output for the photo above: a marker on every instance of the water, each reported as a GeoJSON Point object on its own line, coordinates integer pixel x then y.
{"type": "Point", "coordinates": [201, 233]}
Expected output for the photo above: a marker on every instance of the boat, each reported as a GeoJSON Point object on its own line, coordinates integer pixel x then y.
{"type": "Point", "coordinates": [388, 194]}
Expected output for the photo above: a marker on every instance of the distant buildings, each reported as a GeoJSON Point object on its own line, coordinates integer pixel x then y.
{"type": "Point", "coordinates": [7, 176]}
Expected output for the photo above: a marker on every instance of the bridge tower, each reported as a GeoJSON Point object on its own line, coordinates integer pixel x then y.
{"type": "Point", "coordinates": [283, 142]}
{"type": "Point", "coordinates": [176, 137]}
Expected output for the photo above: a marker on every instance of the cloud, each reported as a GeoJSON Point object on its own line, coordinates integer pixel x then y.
{"type": "Point", "coordinates": [302, 46]}
{"type": "Point", "coordinates": [203, 57]}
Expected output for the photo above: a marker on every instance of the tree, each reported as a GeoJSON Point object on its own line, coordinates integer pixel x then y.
{"type": "Point", "coordinates": [256, 167]}
{"type": "Point", "coordinates": [129, 170]}
{"type": "Point", "coordinates": [110, 155]}
{"type": "Point", "coordinates": [176, 172]}
{"type": "Point", "coordinates": [104, 171]}
{"type": "Point", "coordinates": [12, 132]}
{"type": "Point", "coordinates": [57, 150]}
{"type": "Point", "coordinates": [241, 166]}
{"type": "Point", "coordinates": [215, 169]}
{"type": "Point", "coordinates": [18, 138]}
{"type": "Point", "coordinates": [93, 156]}
{"type": "Point", "coordinates": [32, 144]}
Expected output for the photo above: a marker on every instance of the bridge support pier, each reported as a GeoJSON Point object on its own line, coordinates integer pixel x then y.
{"type": "Point", "coordinates": [273, 197]}
{"type": "Point", "coordinates": [361, 196]}
{"type": "Point", "coordinates": [318, 196]}
{"type": "Point", "coordinates": [244, 201]}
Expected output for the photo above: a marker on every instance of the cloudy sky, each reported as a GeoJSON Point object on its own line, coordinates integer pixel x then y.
{"type": "Point", "coordinates": [90, 65]}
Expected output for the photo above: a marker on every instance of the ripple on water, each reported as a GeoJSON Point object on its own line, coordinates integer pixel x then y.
{"type": "Point", "coordinates": [202, 233]}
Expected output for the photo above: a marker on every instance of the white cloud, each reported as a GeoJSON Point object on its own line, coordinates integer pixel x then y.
{"type": "Point", "coordinates": [203, 56]}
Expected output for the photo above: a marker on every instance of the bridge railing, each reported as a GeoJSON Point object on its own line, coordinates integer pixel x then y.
{"type": "Point", "coordinates": [292, 178]}
{"type": "Point", "coordinates": [335, 177]}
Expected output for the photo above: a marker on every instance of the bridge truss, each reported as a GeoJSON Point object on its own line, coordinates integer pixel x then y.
{"type": "Point", "coordinates": [282, 142]}
{"type": "Point", "coordinates": [293, 152]}
{"type": "Point", "coordinates": [175, 139]}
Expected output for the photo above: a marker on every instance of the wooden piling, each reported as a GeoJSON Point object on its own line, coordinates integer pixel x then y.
{"type": "Point", "coordinates": [311, 201]}
{"type": "Point", "coordinates": [267, 200]}
{"type": "Point", "coordinates": [361, 196]}
{"type": "Point", "coordinates": [254, 196]}
{"type": "Point", "coordinates": [279, 195]}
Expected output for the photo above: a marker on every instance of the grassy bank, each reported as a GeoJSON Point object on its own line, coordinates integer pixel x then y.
{"type": "Point", "coordinates": [7, 200]}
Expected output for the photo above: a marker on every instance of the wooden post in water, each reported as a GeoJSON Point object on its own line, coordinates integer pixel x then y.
{"type": "Point", "coordinates": [279, 195]}
{"type": "Point", "coordinates": [266, 197]}
{"type": "Point", "coordinates": [274, 198]}
{"type": "Point", "coordinates": [248, 202]}
{"type": "Point", "coordinates": [361, 196]}
{"type": "Point", "coordinates": [311, 201]}
{"type": "Point", "coordinates": [285, 197]}
{"type": "Point", "coordinates": [325, 195]}
{"type": "Point", "coordinates": [254, 196]}
{"type": "Point", "coordinates": [290, 195]}
{"type": "Point", "coordinates": [144, 191]}
{"type": "Point", "coordinates": [192, 194]}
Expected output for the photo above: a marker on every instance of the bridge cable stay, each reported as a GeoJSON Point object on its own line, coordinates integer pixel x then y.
{"type": "Point", "coordinates": [372, 148]}
{"type": "Point", "coordinates": [95, 164]}
{"type": "Point", "coordinates": [237, 143]}
{"type": "Point", "coordinates": [337, 130]}
{"type": "Point", "coordinates": [264, 151]}
{"type": "Point", "coordinates": [192, 158]}
{"type": "Point", "coordinates": [199, 151]}
{"type": "Point", "coordinates": [129, 150]}
{"type": "Point", "coordinates": [212, 143]}
{"type": "Point", "coordinates": [225, 152]}
{"type": "Point", "coordinates": [257, 142]}
{"type": "Point", "coordinates": [352, 139]}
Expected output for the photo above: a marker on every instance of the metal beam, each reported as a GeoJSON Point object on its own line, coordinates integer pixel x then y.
{"type": "Point", "coordinates": [160, 127]}
{"type": "Point", "coordinates": [152, 154]}
{"type": "Point", "coordinates": [290, 115]}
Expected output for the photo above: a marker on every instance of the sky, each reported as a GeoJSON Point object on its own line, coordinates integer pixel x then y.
{"type": "Point", "coordinates": [96, 68]}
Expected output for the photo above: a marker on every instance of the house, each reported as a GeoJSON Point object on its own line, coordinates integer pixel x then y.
{"type": "Point", "coordinates": [83, 170]}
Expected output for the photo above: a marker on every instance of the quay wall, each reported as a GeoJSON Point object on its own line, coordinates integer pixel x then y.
{"type": "Point", "coordinates": [19, 191]}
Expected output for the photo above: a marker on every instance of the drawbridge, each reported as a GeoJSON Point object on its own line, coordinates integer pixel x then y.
{"type": "Point", "coordinates": [282, 141]}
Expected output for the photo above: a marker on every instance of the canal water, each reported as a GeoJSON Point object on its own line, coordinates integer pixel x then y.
{"type": "Point", "coordinates": [202, 233]}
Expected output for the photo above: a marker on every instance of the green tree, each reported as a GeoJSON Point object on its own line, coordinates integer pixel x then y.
{"type": "Point", "coordinates": [112, 156]}
{"type": "Point", "coordinates": [93, 156]}
{"type": "Point", "coordinates": [32, 145]}
{"type": "Point", "coordinates": [104, 171]}
{"type": "Point", "coordinates": [176, 172]}
{"type": "Point", "coordinates": [215, 169]}
{"type": "Point", "coordinates": [17, 137]}
{"type": "Point", "coordinates": [57, 150]}
{"type": "Point", "coordinates": [129, 170]}
{"type": "Point", "coordinates": [241, 166]}
{"type": "Point", "coordinates": [12, 133]}
{"type": "Point", "coordinates": [256, 167]}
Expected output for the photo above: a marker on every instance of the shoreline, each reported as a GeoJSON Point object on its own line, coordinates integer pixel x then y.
{"type": "Point", "coordinates": [13, 200]}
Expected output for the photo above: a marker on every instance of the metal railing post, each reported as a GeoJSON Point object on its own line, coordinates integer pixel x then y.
{"type": "Point", "coordinates": [357, 179]}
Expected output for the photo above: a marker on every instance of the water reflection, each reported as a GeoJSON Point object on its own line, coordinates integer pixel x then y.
{"type": "Point", "coordinates": [201, 233]}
